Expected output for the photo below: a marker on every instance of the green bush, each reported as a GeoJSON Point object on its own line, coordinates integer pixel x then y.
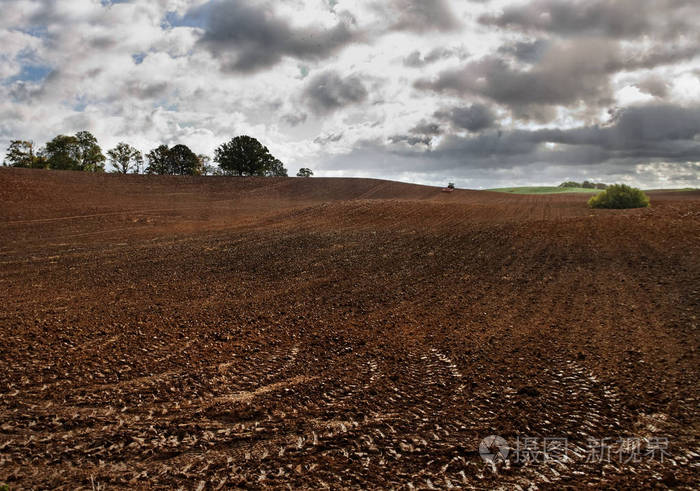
{"type": "Point", "coordinates": [619, 196]}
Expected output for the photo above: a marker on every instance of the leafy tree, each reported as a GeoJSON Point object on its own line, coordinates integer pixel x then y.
{"type": "Point", "coordinates": [246, 156]}
{"type": "Point", "coordinates": [184, 161]}
{"type": "Point", "coordinates": [305, 172]}
{"type": "Point", "coordinates": [275, 169]}
{"type": "Point", "coordinates": [40, 161]}
{"type": "Point", "coordinates": [584, 184]}
{"type": "Point", "coordinates": [124, 158]}
{"type": "Point", "coordinates": [619, 196]}
{"type": "Point", "coordinates": [20, 153]}
{"type": "Point", "coordinates": [178, 160]}
{"type": "Point", "coordinates": [90, 156]}
{"type": "Point", "coordinates": [63, 153]}
{"type": "Point", "coordinates": [159, 161]}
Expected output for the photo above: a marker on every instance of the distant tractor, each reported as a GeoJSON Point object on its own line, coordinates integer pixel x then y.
{"type": "Point", "coordinates": [450, 187]}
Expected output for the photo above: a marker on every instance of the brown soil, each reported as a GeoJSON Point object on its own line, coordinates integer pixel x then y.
{"type": "Point", "coordinates": [242, 332]}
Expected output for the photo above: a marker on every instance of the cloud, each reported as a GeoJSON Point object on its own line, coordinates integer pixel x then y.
{"type": "Point", "coordinates": [411, 140]}
{"type": "Point", "coordinates": [647, 134]}
{"type": "Point", "coordinates": [426, 128]}
{"type": "Point", "coordinates": [635, 58]}
{"type": "Point", "coordinates": [526, 51]}
{"type": "Point", "coordinates": [420, 134]}
{"type": "Point", "coordinates": [417, 15]}
{"type": "Point", "coordinates": [418, 60]}
{"type": "Point", "coordinates": [609, 18]}
{"type": "Point", "coordinates": [664, 133]}
{"type": "Point", "coordinates": [19, 51]}
{"type": "Point", "coordinates": [330, 138]}
{"type": "Point", "coordinates": [567, 74]}
{"type": "Point", "coordinates": [328, 92]}
{"type": "Point", "coordinates": [655, 130]}
{"type": "Point", "coordinates": [248, 38]}
{"type": "Point", "coordinates": [654, 85]}
{"type": "Point", "coordinates": [472, 118]}
{"type": "Point", "coordinates": [295, 119]}
{"type": "Point", "coordinates": [146, 90]}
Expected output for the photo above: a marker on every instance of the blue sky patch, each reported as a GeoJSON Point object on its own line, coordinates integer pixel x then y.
{"type": "Point", "coordinates": [196, 17]}
{"type": "Point", "coordinates": [35, 31]}
{"type": "Point", "coordinates": [31, 73]}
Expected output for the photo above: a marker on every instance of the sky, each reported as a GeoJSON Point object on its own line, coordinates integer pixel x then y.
{"type": "Point", "coordinates": [477, 92]}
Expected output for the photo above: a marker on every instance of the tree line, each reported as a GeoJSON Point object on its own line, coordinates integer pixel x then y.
{"type": "Point", "coordinates": [241, 156]}
{"type": "Point", "coordinates": [584, 184]}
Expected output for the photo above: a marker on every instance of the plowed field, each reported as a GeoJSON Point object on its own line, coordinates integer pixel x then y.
{"type": "Point", "coordinates": [207, 333]}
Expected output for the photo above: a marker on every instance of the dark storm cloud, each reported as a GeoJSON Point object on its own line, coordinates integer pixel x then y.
{"type": "Point", "coordinates": [567, 74]}
{"type": "Point", "coordinates": [526, 51]}
{"type": "Point", "coordinates": [654, 85]}
{"type": "Point", "coordinates": [328, 92]}
{"type": "Point", "coordinates": [643, 131]}
{"type": "Point", "coordinates": [640, 134]}
{"type": "Point", "coordinates": [419, 15]}
{"type": "Point", "coordinates": [610, 18]}
{"type": "Point", "coordinates": [411, 140]}
{"type": "Point", "coordinates": [426, 128]}
{"type": "Point", "coordinates": [661, 55]}
{"type": "Point", "coordinates": [472, 118]}
{"type": "Point", "coordinates": [248, 38]}
{"type": "Point", "coordinates": [420, 134]}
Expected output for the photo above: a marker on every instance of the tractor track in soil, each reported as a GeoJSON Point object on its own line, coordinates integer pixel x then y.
{"type": "Point", "coordinates": [345, 333]}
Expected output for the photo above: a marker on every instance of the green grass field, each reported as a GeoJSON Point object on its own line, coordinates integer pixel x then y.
{"type": "Point", "coordinates": [677, 190]}
{"type": "Point", "coordinates": [544, 190]}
